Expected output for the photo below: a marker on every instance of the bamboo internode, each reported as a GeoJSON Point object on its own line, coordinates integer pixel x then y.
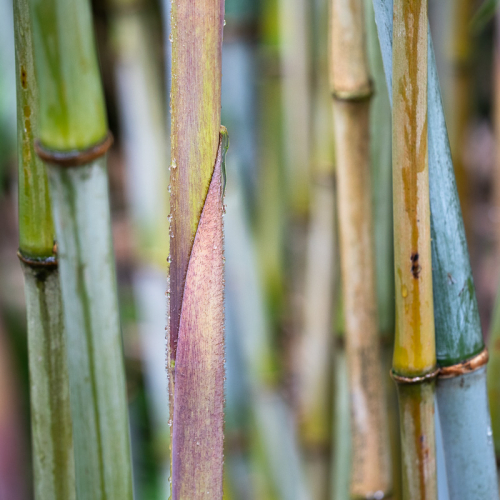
{"type": "Point", "coordinates": [414, 350]}
{"type": "Point", "coordinates": [351, 88]}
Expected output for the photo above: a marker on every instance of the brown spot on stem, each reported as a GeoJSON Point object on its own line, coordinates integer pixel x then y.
{"type": "Point", "coordinates": [24, 78]}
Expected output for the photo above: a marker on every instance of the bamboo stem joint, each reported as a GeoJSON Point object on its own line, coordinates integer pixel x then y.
{"type": "Point", "coordinates": [77, 157]}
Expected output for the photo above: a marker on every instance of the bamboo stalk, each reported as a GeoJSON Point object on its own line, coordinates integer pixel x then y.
{"type": "Point", "coordinates": [196, 271]}
{"type": "Point", "coordinates": [465, 419]}
{"type": "Point", "coordinates": [351, 88]}
{"type": "Point", "coordinates": [73, 141]}
{"type": "Point", "coordinates": [143, 126]}
{"type": "Point", "coordinates": [414, 362]}
{"type": "Point", "coordinates": [381, 159]}
{"type": "Point", "coordinates": [53, 457]}
{"type": "Point", "coordinates": [315, 348]}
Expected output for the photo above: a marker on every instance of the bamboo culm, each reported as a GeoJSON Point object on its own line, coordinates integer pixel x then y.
{"type": "Point", "coordinates": [52, 437]}
{"type": "Point", "coordinates": [73, 140]}
{"type": "Point", "coordinates": [351, 88]}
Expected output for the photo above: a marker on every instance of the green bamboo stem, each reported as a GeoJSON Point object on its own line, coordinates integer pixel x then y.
{"type": "Point", "coordinates": [72, 122]}
{"type": "Point", "coordinates": [414, 361]}
{"type": "Point", "coordinates": [196, 270]}
{"type": "Point", "coordinates": [295, 78]}
{"type": "Point", "coordinates": [53, 458]}
{"type": "Point", "coordinates": [270, 223]}
{"type": "Point", "coordinates": [351, 88]}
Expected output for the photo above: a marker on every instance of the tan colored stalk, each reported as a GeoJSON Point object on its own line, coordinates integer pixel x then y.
{"type": "Point", "coordinates": [414, 361]}
{"type": "Point", "coordinates": [351, 89]}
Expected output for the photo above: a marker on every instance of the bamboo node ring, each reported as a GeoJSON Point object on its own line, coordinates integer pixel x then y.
{"type": "Point", "coordinates": [74, 158]}
{"type": "Point", "coordinates": [467, 366]}
{"type": "Point", "coordinates": [401, 379]}
{"type": "Point", "coordinates": [43, 262]}
{"type": "Point", "coordinates": [361, 94]}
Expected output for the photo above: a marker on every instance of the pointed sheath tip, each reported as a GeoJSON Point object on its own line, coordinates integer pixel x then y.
{"type": "Point", "coordinates": [198, 423]}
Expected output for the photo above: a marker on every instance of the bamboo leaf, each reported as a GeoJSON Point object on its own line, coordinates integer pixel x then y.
{"type": "Point", "coordinates": [197, 446]}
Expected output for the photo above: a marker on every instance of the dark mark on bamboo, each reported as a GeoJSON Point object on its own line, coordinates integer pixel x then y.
{"type": "Point", "coordinates": [75, 157]}
{"type": "Point", "coordinates": [415, 266]}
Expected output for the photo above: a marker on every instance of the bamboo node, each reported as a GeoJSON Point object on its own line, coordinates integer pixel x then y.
{"type": "Point", "coordinates": [467, 366]}
{"type": "Point", "coordinates": [42, 262]}
{"type": "Point", "coordinates": [74, 158]}
{"type": "Point", "coordinates": [362, 94]}
{"type": "Point", "coordinates": [401, 379]}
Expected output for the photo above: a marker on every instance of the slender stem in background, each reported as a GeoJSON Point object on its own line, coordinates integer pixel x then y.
{"type": "Point", "coordinates": [196, 343]}
{"type": "Point", "coordinates": [143, 132]}
{"type": "Point", "coordinates": [53, 458]}
{"type": "Point", "coordinates": [414, 361]}
{"type": "Point", "coordinates": [73, 140]}
{"type": "Point", "coordinates": [351, 89]}
{"type": "Point", "coordinates": [315, 347]}
{"type": "Point", "coordinates": [459, 105]}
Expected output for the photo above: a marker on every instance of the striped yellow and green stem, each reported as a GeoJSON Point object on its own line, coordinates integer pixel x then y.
{"type": "Point", "coordinates": [196, 332]}
{"type": "Point", "coordinates": [53, 458]}
{"type": "Point", "coordinates": [351, 88]}
{"type": "Point", "coordinates": [414, 361]}
{"type": "Point", "coordinates": [72, 140]}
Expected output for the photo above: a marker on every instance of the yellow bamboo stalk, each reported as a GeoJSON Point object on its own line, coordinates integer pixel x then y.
{"type": "Point", "coordinates": [352, 89]}
{"type": "Point", "coordinates": [414, 361]}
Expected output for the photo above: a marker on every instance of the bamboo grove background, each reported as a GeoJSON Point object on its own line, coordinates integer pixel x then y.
{"type": "Point", "coordinates": [310, 93]}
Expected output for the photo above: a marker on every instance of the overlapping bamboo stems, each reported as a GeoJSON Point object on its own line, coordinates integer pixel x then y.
{"type": "Point", "coordinates": [143, 125]}
{"type": "Point", "coordinates": [414, 361]}
{"type": "Point", "coordinates": [458, 332]}
{"type": "Point", "coordinates": [315, 347]}
{"type": "Point", "coordinates": [351, 89]}
{"type": "Point", "coordinates": [53, 458]}
{"type": "Point", "coordinates": [73, 139]}
{"type": "Point", "coordinates": [196, 333]}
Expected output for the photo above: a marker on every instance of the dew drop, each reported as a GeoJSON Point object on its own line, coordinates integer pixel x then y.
{"type": "Point", "coordinates": [174, 164]}
{"type": "Point", "coordinates": [224, 22]}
